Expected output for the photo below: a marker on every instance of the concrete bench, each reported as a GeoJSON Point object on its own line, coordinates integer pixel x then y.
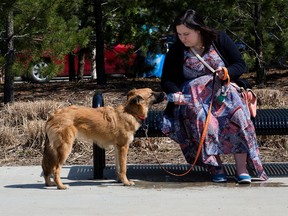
{"type": "Point", "coordinates": [267, 122]}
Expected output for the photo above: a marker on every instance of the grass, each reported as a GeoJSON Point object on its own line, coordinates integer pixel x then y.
{"type": "Point", "coordinates": [22, 133]}
{"type": "Point", "coordinates": [21, 127]}
{"type": "Point", "coordinates": [271, 98]}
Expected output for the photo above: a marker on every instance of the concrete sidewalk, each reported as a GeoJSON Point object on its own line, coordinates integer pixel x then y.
{"type": "Point", "coordinates": [22, 192]}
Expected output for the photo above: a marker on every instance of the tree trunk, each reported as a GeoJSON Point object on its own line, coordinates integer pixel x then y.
{"type": "Point", "coordinates": [10, 56]}
{"type": "Point", "coordinates": [72, 73]}
{"type": "Point", "coordinates": [83, 51]}
{"type": "Point", "coordinates": [81, 64]}
{"type": "Point", "coordinates": [101, 77]}
{"type": "Point", "coordinates": [260, 69]}
{"type": "Point", "coordinates": [93, 70]}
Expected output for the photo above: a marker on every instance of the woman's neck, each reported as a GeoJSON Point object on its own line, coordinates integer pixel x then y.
{"type": "Point", "coordinates": [198, 49]}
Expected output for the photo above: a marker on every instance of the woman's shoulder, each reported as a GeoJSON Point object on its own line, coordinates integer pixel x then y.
{"type": "Point", "coordinates": [223, 38]}
{"type": "Point", "coordinates": [177, 46]}
{"type": "Point", "coordinates": [176, 51]}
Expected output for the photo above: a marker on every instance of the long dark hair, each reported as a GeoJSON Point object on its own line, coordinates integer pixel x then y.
{"type": "Point", "coordinates": [191, 19]}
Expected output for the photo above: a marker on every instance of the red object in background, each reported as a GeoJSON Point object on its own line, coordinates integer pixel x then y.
{"type": "Point", "coordinates": [117, 59]}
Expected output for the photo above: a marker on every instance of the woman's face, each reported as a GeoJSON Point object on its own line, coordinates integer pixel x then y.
{"type": "Point", "coordinates": [189, 37]}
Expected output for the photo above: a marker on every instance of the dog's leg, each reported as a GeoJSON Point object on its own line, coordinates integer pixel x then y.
{"type": "Point", "coordinates": [47, 175]}
{"type": "Point", "coordinates": [60, 185]}
{"type": "Point", "coordinates": [121, 156]}
{"type": "Point", "coordinates": [47, 163]}
{"type": "Point", "coordinates": [52, 162]}
{"type": "Point", "coordinates": [63, 152]}
{"type": "Point", "coordinates": [117, 166]}
{"type": "Point", "coordinates": [48, 181]}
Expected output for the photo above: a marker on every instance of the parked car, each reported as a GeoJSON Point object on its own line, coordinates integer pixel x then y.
{"type": "Point", "coordinates": [118, 59]}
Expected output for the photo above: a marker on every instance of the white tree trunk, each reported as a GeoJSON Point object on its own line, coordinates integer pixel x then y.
{"type": "Point", "coordinates": [93, 64]}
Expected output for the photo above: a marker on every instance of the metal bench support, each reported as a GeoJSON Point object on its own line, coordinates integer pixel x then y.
{"type": "Point", "coordinates": [98, 153]}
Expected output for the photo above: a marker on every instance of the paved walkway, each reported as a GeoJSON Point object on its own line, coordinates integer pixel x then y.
{"type": "Point", "coordinates": [22, 192]}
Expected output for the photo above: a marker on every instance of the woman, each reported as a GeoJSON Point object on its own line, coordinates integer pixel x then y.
{"type": "Point", "coordinates": [230, 129]}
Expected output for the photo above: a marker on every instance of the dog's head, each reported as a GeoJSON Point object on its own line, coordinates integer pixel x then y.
{"type": "Point", "coordinates": [140, 100]}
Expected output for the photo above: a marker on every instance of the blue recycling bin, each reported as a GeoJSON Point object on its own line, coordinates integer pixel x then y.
{"type": "Point", "coordinates": [157, 62]}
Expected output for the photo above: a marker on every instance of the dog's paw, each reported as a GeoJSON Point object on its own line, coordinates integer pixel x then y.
{"type": "Point", "coordinates": [51, 184]}
{"type": "Point", "coordinates": [129, 183]}
{"type": "Point", "coordinates": [63, 187]}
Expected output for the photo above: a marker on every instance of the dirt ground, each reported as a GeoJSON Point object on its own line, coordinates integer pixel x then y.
{"type": "Point", "coordinates": [114, 92]}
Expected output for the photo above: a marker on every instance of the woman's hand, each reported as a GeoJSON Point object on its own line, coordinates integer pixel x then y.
{"type": "Point", "coordinates": [179, 98]}
{"type": "Point", "coordinates": [222, 73]}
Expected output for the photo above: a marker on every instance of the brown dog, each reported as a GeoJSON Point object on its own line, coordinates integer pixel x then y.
{"type": "Point", "coordinates": [106, 126]}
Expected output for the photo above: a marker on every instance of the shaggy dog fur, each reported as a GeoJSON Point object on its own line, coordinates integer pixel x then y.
{"type": "Point", "coordinates": [106, 126]}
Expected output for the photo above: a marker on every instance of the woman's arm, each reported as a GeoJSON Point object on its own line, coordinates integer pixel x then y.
{"type": "Point", "coordinates": [230, 55]}
{"type": "Point", "coordinates": [172, 74]}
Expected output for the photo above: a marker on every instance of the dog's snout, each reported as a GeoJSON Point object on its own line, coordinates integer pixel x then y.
{"type": "Point", "coordinates": [159, 96]}
{"type": "Point", "coordinates": [162, 95]}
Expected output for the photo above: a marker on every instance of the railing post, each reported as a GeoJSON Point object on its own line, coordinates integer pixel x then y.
{"type": "Point", "coordinates": [98, 153]}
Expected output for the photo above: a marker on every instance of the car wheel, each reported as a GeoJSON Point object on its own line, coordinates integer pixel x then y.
{"type": "Point", "coordinates": [36, 74]}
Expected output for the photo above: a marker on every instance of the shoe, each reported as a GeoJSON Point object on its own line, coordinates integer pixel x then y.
{"type": "Point", "coordinates": [244, 179]}
{"type": "Point", "coordinates": [219, 178]}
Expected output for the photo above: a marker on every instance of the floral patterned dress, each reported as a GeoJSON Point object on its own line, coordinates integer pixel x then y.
{"type": "Point", "coordinates": [230, 128]}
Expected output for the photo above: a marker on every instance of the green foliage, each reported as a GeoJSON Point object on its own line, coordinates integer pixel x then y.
{"type": "Point", "coordinates": [2, 61]}
{"type": "Point", "coordinates": [249, 59]}
{"type": "Point", "coordinates": [264, 34]}
{"type": "Point", "coordinates": [58, 26]}
{"type": "Point", "coordinates": [128, 21]}
{"type": "Point", "coordinates": [43, 26]}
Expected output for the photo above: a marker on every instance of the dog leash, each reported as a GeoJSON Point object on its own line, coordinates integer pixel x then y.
{"type": "Point", "coordinates": [205, 129]}
{"type": "Point", "coordinates": [203, 135]}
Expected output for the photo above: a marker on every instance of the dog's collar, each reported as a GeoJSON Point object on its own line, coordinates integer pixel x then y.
{"type": "Point", "coordinates": [142, 121]}
{"type": "Point", "coordinates": [141, 117]}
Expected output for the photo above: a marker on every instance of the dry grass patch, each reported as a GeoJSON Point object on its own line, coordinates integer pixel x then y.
{"type": "Point", "coordinates": [271, 99]}
{"type": "Point", "coordinates": [22, 134]}
{"type": "Point", "coordinates": [21, 129]}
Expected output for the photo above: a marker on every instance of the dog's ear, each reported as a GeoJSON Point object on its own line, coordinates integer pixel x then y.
{"type": "Point", "coordinates": [130, 93]}
{"type": "Point", "coordinates": [136, 100]}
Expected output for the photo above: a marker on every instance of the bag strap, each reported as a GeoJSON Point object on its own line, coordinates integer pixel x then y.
{"type": "Point", "coordinates": [226, 74]}
{"type": "Point", "coordinates": [203, 61]}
